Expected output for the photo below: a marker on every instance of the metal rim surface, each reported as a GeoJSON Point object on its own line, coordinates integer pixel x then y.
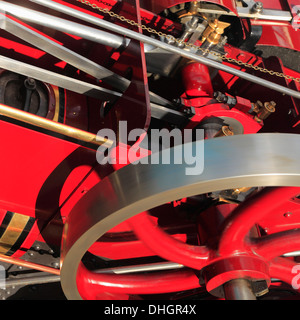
{"type": "Point", "coordinates": [230, 162]}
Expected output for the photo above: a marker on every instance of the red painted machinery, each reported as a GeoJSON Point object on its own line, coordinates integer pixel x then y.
{"type": "Point", "coordinates": [86, 85]}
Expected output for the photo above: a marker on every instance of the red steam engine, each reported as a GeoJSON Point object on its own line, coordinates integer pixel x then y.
{"type": "Point", "coordinates": [82, 201]}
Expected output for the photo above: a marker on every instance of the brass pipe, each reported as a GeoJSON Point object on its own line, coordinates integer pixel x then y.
{"type": "Point", "coordinates": [27, 264]}
{"type": "Point", "coordinates": [53, 126]}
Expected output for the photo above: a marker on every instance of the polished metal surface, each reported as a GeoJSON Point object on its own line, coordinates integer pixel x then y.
{"type": "Point", "coordinates": [159, 44]}
{"type": "Point", "coordinates": [63, 25]}
{"type": "Point", "coordinates": [239, 289]}
{"type": "Point", "coordinates": [59, 80]}
{"type": "Point", "coordinates": [229, 163]}
{"type": "Point", "coordinates": [63, 53]}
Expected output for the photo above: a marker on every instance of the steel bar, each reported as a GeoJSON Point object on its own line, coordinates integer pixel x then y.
{"type": "Point", "coordinates": [238, 289]}
{"type": "Point", "coordinates": [140, 37]}
{"type": "Point", "coordinates": [58, 79]}
{"type": "Point", "coordinates": [267, 14]}
{"type": "Point", "coordinates": [149, 267]}
{"type": "Point", "coordinates": [63, 53]}
{"type": "Point", "coordinates": [66, 26]}
{"type": "Point", "coordinates": [32, 280]}
{"type": "Point", "coordinates": [52, 126]}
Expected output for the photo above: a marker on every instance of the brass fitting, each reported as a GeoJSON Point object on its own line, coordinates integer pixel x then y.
{"type": "Point", "coordinates": [215, 36]}
{"type": "Point", "coordinates": [257, 106]}
{"type": "Point", "coordinates": [224, 132]}
{"type": "Point", "coordinates": [267, 109]}
{"type": "Point", "coordinates": [214, 31]}
{"type": "Point", "coordinates": [209, 29]}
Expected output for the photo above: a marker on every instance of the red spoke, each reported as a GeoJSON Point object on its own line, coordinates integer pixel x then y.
{"type": "Point", "coordinates": [275, 245]}
{"type": "Point", "coordinates": [166, 246]}
{"type": "Point", "coordinates": [284, 270]}
{"type": "Point", "coordinates": [91, 284]}
{"type": "Point", "coordinates": [247, 214]}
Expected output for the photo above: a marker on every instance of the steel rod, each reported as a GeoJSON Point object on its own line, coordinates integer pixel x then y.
{"type": "Point", "coordinates": [63, 53]}
{"type": "Point", "coordinates": [140, 37]}
{"type": "Point", "coordinates": [59, 80]}
{"type": "Point", "coordinates": [63, 25]}
{"type": "Point", "coordinates": [238, 289]}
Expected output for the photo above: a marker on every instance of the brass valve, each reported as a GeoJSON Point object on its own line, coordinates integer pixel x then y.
{"type": "Point", "coordinates": [265, 110]}
{"type": "Point", "coordinates": [215, 36]}
{"type": "Point", "coordinates": [209, 29]}
{"type": "Point", "coordinates": [225, 131]}
{"type": "Point", "coordinates": [214, 31]}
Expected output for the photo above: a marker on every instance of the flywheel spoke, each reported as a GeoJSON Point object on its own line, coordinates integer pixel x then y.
{"type": "Point", "coordinates": [234, 238]}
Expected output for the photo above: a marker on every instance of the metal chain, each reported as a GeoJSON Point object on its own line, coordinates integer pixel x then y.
{"type": "Point", "coordinates": [192, 46]}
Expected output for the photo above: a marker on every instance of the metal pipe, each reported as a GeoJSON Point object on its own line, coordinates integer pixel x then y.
{"type": "Point", "coordinates": [27, 264]}
{"type": "Point", "coordinates": [63, 25]}
{"type": "Point", "coordinates": [58, 80]}
{"type": "Point", "coordinates": [63, 53]}
{"type": "Point", "coordinates": [32, 280]}
{"type": "Point", "coordinates": [159, 266]}
{"type": "Point", "coordinates": [52, 126]}
{"type": "Point", "coordinates": [140, 37]}
{"type": "Point", "coordinates": [238, 289]}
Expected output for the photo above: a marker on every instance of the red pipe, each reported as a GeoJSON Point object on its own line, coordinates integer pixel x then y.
{"type": "Point", "coordinates": [90, 284]}
{"type": "Point", "coordinates": [276, 245]}
{"type": "Point", "coordinates": [166, 246]}
{"type": "Point", "coordinates": [196, 80]}
{"type": "Point", "coordinates": [282, 269]}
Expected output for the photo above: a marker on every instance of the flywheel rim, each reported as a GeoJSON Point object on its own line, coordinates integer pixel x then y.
{"type": "Point", "coordinates": [230, 162]}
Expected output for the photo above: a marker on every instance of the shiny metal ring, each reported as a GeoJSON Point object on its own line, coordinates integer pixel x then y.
{"type": "Point", "coordinates": [229, 162]}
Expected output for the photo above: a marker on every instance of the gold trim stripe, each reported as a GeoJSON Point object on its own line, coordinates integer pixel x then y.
{"type": "Point", "coordinates": [13, 231]}
{"type": "Point", "coordinates": [56, 113]}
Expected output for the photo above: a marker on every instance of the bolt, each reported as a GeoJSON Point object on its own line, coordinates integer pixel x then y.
{"type": "Point", "coordinates": [257, 7]}
{"type": "Point", "coordinates": [55, 265]}
{"type": "Point", "coordinates": [37, 247]}
{"type": "Point", "coordinates": [288, 214]}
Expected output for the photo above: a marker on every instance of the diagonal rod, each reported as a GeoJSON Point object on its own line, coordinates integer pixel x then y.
{"type": "Point", "coordinates": [145, 39]}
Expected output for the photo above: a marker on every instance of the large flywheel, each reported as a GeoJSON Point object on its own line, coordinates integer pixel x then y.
{"type": "Point", "coordinates": [236, 265]}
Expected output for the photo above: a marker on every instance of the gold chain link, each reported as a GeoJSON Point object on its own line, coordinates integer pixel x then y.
{"type": "Point", "coordinates": [193, 46]}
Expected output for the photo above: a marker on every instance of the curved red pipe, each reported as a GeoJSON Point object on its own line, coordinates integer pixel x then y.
{"type": "Point", "coordinates": [166, 246]}
{"type": "Point", "coordinates": [277, 244]}
{"type": "Point", "coordinates": [91, 284]}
